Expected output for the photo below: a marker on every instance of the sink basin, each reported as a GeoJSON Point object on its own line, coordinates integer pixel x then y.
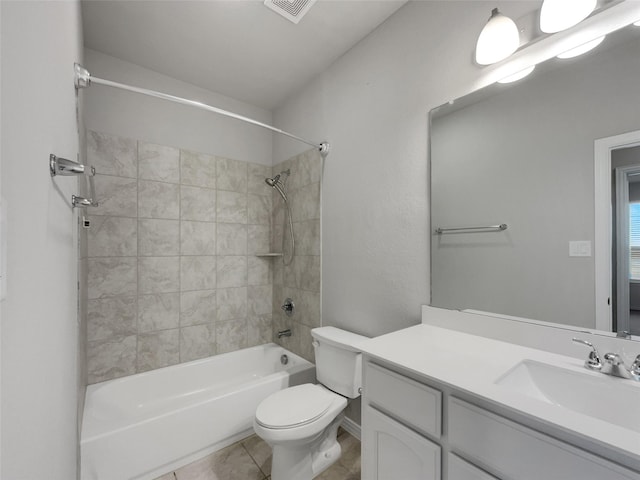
{"type": "Point", "coordinates": [611, 399]}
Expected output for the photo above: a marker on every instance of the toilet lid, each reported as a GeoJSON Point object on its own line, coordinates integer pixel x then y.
{"type": "Point", "coordinates": [294, 407]}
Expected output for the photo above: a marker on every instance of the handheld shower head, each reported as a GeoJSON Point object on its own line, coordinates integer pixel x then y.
{"type": "Point", "coordinates": [272, 181]}
{"type": "Point", "coordinates": [277, 184]}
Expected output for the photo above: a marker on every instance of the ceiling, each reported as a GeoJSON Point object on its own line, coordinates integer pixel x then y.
{"type": "Point", "coordinates": [238, 48]}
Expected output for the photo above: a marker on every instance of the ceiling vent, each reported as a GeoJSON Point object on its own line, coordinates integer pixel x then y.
{"type": "Point", "coordinates": [292, 10]}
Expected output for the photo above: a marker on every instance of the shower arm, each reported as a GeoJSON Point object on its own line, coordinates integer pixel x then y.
{"type": "Point", "coordinates": [84, 79]}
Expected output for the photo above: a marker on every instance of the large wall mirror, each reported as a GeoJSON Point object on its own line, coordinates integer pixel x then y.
{"type": "Point", "coordinates": [523, 155]}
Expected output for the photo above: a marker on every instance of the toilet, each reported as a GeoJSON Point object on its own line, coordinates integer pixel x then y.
{"type": "Point", "coordinates": [301, 423]}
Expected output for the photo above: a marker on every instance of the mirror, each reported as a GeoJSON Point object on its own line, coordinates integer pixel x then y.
{"type": "Point", "coordinates": [522, 155]}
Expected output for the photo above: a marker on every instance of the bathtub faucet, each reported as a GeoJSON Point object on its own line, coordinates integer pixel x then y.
{"type": "Point", "coordinates": [284, 333]}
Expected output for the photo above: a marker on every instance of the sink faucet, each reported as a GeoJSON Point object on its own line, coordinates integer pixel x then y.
{"type": "Point", "coordinates": [612, 364]}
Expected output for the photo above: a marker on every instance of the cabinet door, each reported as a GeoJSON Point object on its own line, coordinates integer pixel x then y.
{"type": "Point", "coordinates": [391, 451]}
{"type": "Point", "coordinates": [461, 470]}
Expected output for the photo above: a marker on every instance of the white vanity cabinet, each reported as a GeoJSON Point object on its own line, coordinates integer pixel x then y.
{"type": "Point", "coordinates": [417, 429]}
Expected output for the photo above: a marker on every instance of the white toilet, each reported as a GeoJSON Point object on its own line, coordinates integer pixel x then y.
{"type": "Point", "coordinates": [301, 423]}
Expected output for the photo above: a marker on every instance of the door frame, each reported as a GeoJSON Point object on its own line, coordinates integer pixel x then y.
{"type": "Point", "coordinates": [603, 147]}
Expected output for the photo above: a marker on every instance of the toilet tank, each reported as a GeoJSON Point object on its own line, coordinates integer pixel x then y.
{"type": "Point", "coordinates": [338, 360]}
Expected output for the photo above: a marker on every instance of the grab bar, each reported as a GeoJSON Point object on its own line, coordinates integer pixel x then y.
{"type": "Point", "coordinates": [67, 168]}
{"type": "Point", "coordinates": [502, 226]}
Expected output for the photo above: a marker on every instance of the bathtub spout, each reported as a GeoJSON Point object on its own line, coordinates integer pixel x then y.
{"type": "Point", "coordinates": [284, 333]}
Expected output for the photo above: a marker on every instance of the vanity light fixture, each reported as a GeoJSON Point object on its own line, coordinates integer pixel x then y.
{"type": "Point", "coordinates": [518, 75]}
{"type": "Point", "coordinates": [558, 15]}
{"type": "Point", "coordinates": [581, 49]}
{"type": "Point", "coordinates": [498, 39]}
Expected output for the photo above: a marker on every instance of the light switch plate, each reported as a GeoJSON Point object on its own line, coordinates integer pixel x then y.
{"type": "Point", "coordinates": [580, 248]}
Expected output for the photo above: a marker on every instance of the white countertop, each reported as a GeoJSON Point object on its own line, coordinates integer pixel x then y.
{"type": "Point", "coordinates": [472, 364]}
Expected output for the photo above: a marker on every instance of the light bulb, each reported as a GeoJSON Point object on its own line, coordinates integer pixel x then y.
{"type": "Point", "coordinates": [558, 15]}
{"type": "Point", "coordinates": [584, 48]}
{"type": "Point", "coordinates": [499, 39]}
{"type": "Point", "coordinates": [517, 76]}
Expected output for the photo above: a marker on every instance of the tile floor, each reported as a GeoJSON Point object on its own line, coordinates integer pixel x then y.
{"type": "Point", "coordinates": [250, 459]}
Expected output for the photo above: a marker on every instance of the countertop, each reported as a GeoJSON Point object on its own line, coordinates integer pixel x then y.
{"type": "Point", "coordinates": [473, 364]}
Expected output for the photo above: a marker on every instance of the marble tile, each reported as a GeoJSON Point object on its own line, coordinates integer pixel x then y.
{"type": "Point", "coordinates": [231, 175]}
{"type": "Point", "coordinates": [231, 271]}
{"type": "Point", "coordinates": [112, 155]}
{"type": "Point", "coordinates": [277, 271]}
{"type": "Point", "coordinates": [351, 454]}
{"type": "Point", "coordinates": [306, 168]}
{"type": "Point", "coordinates": [158, 162]}
{"type": "Point", "coordinates": [231, 239]}
{"type": "Point", "coordinates": [278, 298]}
{"type": "Point", "coordinates": [158, 274]}
{"type": "Point", "coordinates": [231, 463]}
{"type": "Point", "coordinates": [307, 307]}
{"type": "Point", "coordinates": [198, 341]}
{"type": "Point", "coordinates": [116, 196]}
{"type": "Point", "coordinates": [231, 207]}
{"type": "Point", "coordinates": [259, 330]}
{"type": "Point", "coordinates": [256, 176]}
{"type": "Point", "coordinates": [158, 200]}
{"type": "Point", "coordinates": [158, 349]}
{"type": "Point", "coordinates": [231, 303]}
{"type": "Point", "coordinates": [197, 204]}
{"type": "Point", "coordinates": [197, 307]}
{"type": "Point", "coordinates": [304, 273]}
{"type": "Point", "coordinates": [111, 276]}
{"type": "Point", "coordinates": [260, 451]}
{"type": "Point", "coordinates": [197, 169]}
{"type": "Point", "coordinates": [258, 239]}
{"type": "Point", "coordinates": [111, 359]}
{"type": "Point", "coordinates": [303, 341]}
{"type": "Point", "coordinates": [305, 203]}
{"type": "Point", "coordinates": [259, 270]}
{"type": "Point", "coordinates": [158, 312]}
{"type": "Point", "coordinates": [231, 335]}
{"type": "Point", "coordinates": [259, 209]}
{"type": "Point", "coordinates": [197, 238]}
{"type": "Point", "coordinates": [337, 472]}
{"type": "Point", "coordinates": [307, 235]}
{"type": "Point", "coordinates": [112, 237]}
{"type": "Point", "coordinates": [111, 318]}
{"type": "Point", "coordinates": [197, 273]}
{"type": "Point", "coordinates": [259, 300]}
{"type": "Point", "coordinates": [158, 237]}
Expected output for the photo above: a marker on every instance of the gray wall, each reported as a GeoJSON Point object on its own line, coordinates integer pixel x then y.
{"type": "Point", "coordinates": [372, 105]}
{"type": "Point", "coordinates": [132, 115]}
{"type": "Point", "coordinates": [40, 332]}
{"type": "Point", "coordinates": [523, 158]}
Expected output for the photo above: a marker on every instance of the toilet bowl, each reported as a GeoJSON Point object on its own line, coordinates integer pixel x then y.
{"type": "Point", "coordinates": [301, 423]}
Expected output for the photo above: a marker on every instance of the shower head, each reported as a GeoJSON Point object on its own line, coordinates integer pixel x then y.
{"type": "Point", "coordinates": [272, 181]}
{"type": "Point", "coordinates": [277, 184]}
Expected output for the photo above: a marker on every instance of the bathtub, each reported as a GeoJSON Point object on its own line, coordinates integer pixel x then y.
{"type": "Point", "coordinates": [142, 426]}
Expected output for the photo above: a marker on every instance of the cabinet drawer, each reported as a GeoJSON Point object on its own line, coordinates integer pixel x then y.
{"type": "Point", "coordinates": [394, 452]}
{"type": "Point", "coordinates": [407, 400]}
{"type": "Point", "coordinates": [513, 451]}
{"type": "Point", "coordinates": [461, 470]}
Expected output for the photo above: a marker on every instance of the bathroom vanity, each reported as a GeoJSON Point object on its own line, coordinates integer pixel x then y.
{"type": "Point", "coordinates": [443, 404]}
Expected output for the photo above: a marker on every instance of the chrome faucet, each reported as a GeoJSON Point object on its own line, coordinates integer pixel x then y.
{"type": "Point", "coordinates": [612, 364]}
{"type": "Point", "coordinates": [284, 333]}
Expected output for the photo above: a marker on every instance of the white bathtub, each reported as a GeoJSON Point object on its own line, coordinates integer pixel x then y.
{"type": "Point", "coordinates": [142, 426]}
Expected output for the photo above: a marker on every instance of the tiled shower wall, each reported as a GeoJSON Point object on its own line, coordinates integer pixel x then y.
{"type": "Point", "coordinates": [300, 280]}
{"type": "Point", "coordinates": [172, 271]}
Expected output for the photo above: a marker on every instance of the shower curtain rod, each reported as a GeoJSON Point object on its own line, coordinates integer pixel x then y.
{"type": "Point", "coordinates": [84, 79]}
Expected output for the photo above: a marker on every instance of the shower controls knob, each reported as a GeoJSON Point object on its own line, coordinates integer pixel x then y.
{"type": "Point", "coordinates": [288, 307]}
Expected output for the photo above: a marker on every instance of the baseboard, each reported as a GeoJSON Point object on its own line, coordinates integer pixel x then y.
{"type": "Point", "coordinates": [352, 427]}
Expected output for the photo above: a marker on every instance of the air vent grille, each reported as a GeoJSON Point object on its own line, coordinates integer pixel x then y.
{"type": "Point", "coordinates": [292, 10]}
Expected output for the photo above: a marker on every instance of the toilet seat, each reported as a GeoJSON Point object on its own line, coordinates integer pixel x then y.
{"type": "Point", "coordinates": [294, 407]}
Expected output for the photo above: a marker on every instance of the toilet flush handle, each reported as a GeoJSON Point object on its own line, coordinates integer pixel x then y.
{"type": "Point", "coordinates": [315, 343]}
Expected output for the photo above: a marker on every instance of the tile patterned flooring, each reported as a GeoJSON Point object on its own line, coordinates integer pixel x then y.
{"type": "Point", "coordinates": [250, 459]}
